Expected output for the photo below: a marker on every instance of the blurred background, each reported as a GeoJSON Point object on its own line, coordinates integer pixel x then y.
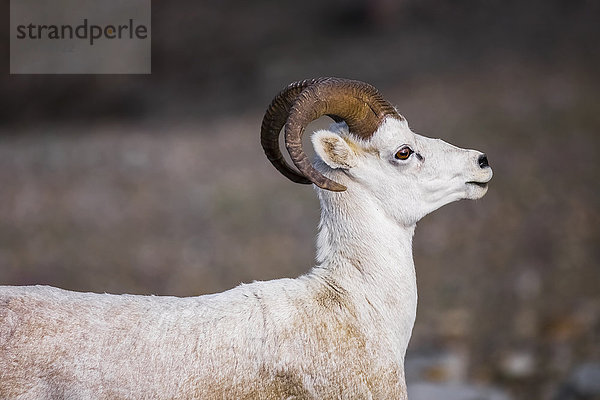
{"type": "Point", "coordinates": [156, 184]}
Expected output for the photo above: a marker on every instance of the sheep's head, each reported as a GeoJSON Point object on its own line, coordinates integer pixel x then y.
{"type": "Point", "coordinates": [370, 150]}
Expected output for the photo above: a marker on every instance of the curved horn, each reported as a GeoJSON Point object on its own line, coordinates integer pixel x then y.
{"type": "Point", "coordinates": [274, 119]}
{"type": "Point", "coordinates": [358, 104]}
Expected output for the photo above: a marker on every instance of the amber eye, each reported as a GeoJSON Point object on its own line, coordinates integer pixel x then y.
{"type": "Point", "coordinates": [403, 153]}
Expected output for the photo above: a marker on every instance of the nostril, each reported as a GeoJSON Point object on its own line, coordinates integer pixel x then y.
{"type": "Point", "coordinates": [483, 161]}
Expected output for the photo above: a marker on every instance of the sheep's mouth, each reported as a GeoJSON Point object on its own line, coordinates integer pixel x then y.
{"type": "Point", "coordinates": [480, 184]}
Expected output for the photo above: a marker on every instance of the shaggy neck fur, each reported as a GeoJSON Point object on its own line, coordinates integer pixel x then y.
{"type": "Point", "coordinates": [368, 256]}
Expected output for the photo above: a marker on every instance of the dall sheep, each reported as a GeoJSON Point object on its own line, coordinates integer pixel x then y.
{"type": "Point", "coordinates": [338, 332]}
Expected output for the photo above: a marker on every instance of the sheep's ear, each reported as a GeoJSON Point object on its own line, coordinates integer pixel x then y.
{"type": "Point", "coordinates": [333, 150]}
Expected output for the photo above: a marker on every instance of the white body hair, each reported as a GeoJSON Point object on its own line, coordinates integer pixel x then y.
{"type": "Point", "coordinates": [340, 331]}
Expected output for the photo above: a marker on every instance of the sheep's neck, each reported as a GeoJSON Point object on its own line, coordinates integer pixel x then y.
{"type": "Point", "coordinates": [369, 256]}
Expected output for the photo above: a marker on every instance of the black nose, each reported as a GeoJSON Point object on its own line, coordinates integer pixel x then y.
{"type": "Point", "coordinates": [483, 162]}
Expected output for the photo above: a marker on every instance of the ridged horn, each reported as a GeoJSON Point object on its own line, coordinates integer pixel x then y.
{"type": "Point", "coordinates": [274, 120]}
{"type": "Point", "coordinates": [358, 104]}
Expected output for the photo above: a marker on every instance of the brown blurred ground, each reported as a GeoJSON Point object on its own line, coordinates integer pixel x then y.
{"type": "Point", "coordinates": [158, 184]}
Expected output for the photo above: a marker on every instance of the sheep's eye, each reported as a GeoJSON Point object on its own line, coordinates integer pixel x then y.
{"type": "Point", "coordinates": [403, 153]}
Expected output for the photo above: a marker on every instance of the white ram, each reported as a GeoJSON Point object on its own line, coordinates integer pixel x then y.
{"type": "Point", "coordinates": [340, 331]}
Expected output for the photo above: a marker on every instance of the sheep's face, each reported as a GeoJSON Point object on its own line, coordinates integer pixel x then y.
{"type": "Point", "coordinates": [406, 174]}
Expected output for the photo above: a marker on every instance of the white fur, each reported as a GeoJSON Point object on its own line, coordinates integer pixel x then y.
{"type": "Point", "coordinates": [341, 331]}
